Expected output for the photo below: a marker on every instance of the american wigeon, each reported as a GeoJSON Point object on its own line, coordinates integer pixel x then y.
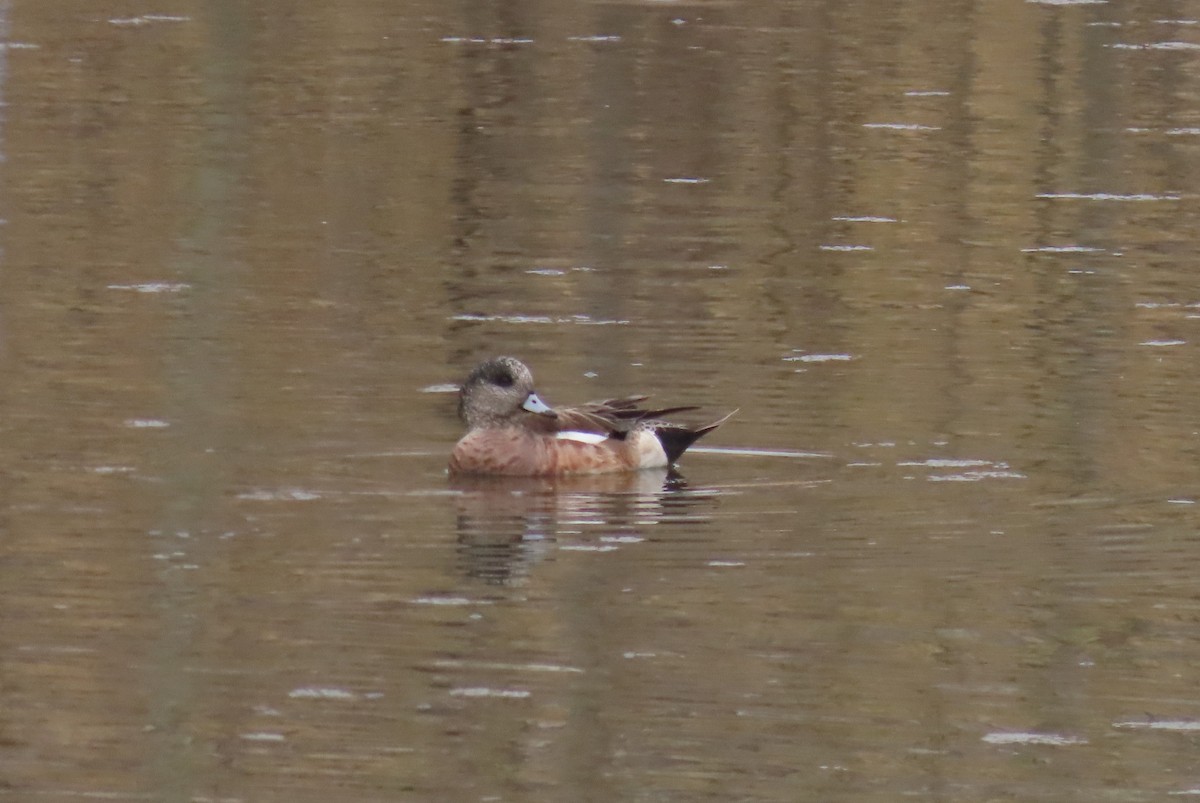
{"type": "Point", "coordinates": [510, 431]}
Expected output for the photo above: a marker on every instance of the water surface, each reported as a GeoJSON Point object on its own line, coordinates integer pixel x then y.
{"type": "Point", "coordinates": [940, 257]}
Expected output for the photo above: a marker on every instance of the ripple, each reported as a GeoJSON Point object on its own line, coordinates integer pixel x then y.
{"type": "Point", "coordinates": [946, 462]}
{"type": "Point", "coordinates": [153, 287]}
{"type": "Point", "coordinates": [583, 320]}
{"type": "Point", "coordinates": [1105, 196]}
{"type": "Point", "coordinates": [484, 691]}
{"type": "Point", "coordinates": [977, 469]}
{"type": "Point", "coordinates": [903, 126]}
{"type": "Point", "coordinates": [263, 737]}
{"type": "Point", "coordinates": [146, 19]}
{"type": "Point", "coordinates": [279, 495]}
{"type": "Point", "coordinates": [1155, 46]}
{"type": "Point", "coordinates": [1184, 725]}
{"type": "Point", "coordinates": [1052, 739]}
{"type": "Point", "coordinates": [449, 601]}
{"type": "Point", "coordinates": [1062, 249]}
{"type": "Point", "coordinates": [819, 358]}
{"type": "Point", "coordinates": [319, 693]}
{"type": "Point", "coordinates": [479, 40]}
{"type": "Point", "coordinates": [1164, 305]}
{"type": "Point", "coordinates": [450, 663]}
{"type": "Point", "coordinates": [146, 423]}
{"type": "Point", "coordinates": [752, 452]}
{"type": "Point", "coordinates": [976, 476]}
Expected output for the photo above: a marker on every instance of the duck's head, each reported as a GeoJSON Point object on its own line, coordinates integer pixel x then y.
{"type": "Point", "coordinates": [498, 390]}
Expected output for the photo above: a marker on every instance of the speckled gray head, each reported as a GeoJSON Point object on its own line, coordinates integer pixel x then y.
{"type": "Point", "coordinates": [498, 389]}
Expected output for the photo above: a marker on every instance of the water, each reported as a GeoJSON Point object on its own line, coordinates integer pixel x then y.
{"type": "Point", "coordinates": [940, 259]}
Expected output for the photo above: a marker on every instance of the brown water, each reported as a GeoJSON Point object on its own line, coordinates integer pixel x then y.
{"type": "Point", "coordinates": [942, 257]}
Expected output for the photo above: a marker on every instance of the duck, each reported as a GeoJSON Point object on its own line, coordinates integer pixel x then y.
{"type": "Point", "coordinates": [512, 432]}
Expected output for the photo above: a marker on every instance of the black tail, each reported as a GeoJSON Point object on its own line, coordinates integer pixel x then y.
{"type": "Point", "coordinates": [676, 438]}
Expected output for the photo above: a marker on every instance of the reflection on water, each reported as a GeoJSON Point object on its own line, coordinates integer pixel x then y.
{"type": "Point", "coordinates": [942, 259]}
{"type": "Point", "coordinates": [505, 524]}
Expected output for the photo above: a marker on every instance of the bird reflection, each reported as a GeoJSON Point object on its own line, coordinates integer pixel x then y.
{"type": "Point", "coordinates": [506, 524]}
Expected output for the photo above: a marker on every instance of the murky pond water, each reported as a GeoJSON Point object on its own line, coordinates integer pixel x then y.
{"type": "Point", "coordinates": [942, 259]}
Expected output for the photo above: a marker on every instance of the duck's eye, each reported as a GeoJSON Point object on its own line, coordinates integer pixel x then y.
{"type": "Point", "coordinates": [504, 379]}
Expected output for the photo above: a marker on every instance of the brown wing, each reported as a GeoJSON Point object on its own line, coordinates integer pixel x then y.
{"type": "Point", "coordinates": [609, 417]}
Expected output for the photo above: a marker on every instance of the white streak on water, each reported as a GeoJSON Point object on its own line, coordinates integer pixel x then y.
{"type": "Point", "coordinates": [754, 452]}
{"type": "Point", "coordinates": [819, 358]}
{"type": "Point", "coordinates": [1105, 196]}
{"type": "Point", "coordinates": [153, 287]}
{"type": "Point", "coordinates": [317, 693]}
{"type": "Point", "coordinates": [1184, 725]}
{"type": "Point", "coordinates": [903, 126]}
{"type": "Point", "coordinates": [1053, 739]}
{"type": "Point", "coordinates": [483, 691]}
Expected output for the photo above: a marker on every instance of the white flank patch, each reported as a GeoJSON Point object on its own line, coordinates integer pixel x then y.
{"type": "Point", "coordinates": [651, 453]}
{"type": "Point", "coordinates": [582, 437]}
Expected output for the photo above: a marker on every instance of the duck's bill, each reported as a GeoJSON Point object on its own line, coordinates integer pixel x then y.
{"type": "Point", "coordinates": [535, 405]}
